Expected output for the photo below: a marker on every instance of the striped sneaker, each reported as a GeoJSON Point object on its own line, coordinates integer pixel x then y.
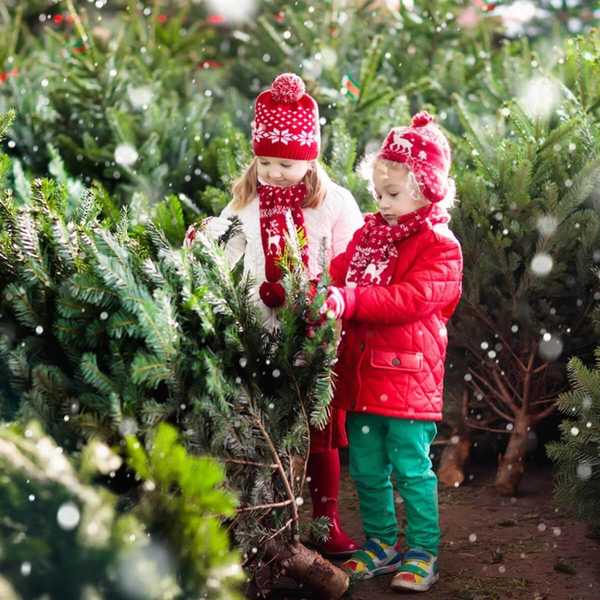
{"type": "Point", "coordinates": [417, 573]}
{"type": "Point", "coordinates": [374, 558]}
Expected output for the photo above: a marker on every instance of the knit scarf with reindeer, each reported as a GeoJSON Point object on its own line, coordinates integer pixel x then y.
{"type": "Point", "coordinates": [274, 203]}
{"type": "Point", "coordinates": [374, 259]}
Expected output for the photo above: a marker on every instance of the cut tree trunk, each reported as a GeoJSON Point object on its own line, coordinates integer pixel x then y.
{"type": "Point", "coordinates": [451, 470]}
{"type": "Point", "coordinates": [309, 568]}
{"type": "Point", "coordinates": [511, 463]}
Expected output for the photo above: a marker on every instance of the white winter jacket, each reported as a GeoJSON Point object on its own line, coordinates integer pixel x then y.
{"type": "Point", "coordinates": [335, 221]}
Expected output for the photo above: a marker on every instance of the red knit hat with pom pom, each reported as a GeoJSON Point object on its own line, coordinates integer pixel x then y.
{"type": "Point", "coordinates": [286, 121]}
{"type": "Point", "coordinates": [425, 151]}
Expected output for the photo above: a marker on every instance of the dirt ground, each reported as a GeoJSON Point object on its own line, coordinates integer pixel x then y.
{"type": "Point", "coordinates": [495, 548]}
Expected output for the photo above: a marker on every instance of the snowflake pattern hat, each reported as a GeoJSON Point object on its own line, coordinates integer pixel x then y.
{"type": "Point", "coordinates": [425, 151]}
{"type": "Point", "coordinates": [286, 121]}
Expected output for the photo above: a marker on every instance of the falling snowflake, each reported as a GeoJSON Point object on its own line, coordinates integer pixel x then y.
{"type": "Point", "coordinates": [128, 426]}
{"type": "Point", "coordinates": [140, 97]}
{"type": "Point", "coordinates": [125, 155]}
{"type": "Point", "coordinates": [145, 568]}
{"type": "Point", "coordinates": [550, 347]}
{"type": "Point", "coordinates": [547, 225]}
{"type": "Point", "coordinates": [233, 11]}
{"type": "Point", "coordinates": [68, 516]}
{"type": "Point", "coordinates": [542, 264]}
{"type": "Point", "coordinates": [539, 97]}
{"type": "Point", "coordinates": [584, 470]}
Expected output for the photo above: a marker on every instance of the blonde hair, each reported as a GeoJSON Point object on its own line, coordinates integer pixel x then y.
{"type": "Point", "coordinates": [245, 186]}
{"type": "Point", "coordinates": [369, 163]}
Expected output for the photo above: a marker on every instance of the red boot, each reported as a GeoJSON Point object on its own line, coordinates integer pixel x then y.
{"type": "Point", "coordinates": [324, 472]}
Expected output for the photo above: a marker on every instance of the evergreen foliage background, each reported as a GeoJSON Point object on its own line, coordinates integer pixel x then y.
{"type": "Point", "coordinates": [120, 132]}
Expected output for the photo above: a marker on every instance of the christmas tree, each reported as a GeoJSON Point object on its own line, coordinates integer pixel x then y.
{"type": "Point", "coordinates": [529, 237]}
{"type": "Point", "coordinates": [576, 455]}
{"type": "Point", "coordinates": [65, 535]}
{"type": "Point", "coordinates": [116, 330]}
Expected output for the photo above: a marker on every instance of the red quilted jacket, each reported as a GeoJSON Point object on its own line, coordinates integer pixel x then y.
{"type": "Point", "coordinates": [391, 357]}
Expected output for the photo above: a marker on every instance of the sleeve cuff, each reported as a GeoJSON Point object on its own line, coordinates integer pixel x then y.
{"type": "Point", "coordinates": [350, 298]}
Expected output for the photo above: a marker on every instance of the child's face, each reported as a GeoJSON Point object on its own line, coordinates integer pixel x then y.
{"type": "Point", "coordinates": [395, 192]}
{"type": "Point", "coordinates": [282, 172]}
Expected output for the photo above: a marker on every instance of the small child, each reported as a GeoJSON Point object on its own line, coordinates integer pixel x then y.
{"type": "Point", "coordinates": [395, 287]}
{"type": "Point", "coordinates": [286, 177]}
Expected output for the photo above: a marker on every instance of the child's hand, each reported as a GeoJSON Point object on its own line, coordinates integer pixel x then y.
{"type": "Point", "coordinates": [190, 236]}
{"type": "Point", "coordinates": [335, 305]}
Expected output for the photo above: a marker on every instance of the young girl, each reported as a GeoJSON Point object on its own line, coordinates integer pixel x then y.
{"type": "Point", "coordinates": [395, 287]}
{"type": "Point", "coordinates": [285, 177]}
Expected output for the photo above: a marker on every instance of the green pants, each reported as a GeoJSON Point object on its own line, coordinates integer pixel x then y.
{"type": "Point", "coordinates": [378, 446]}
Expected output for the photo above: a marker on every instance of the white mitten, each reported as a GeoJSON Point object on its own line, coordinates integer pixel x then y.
{"type": "Point", "coordinates": [215, 227]}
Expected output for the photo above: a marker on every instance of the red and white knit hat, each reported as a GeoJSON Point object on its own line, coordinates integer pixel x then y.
{"type": "Point", "coordinates": [286, 121]}
{"type": "Point", "coordinates": [425, 151]}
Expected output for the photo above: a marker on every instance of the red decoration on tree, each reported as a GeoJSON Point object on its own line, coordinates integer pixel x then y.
{"type": "Point", "coordinates": [162, 19]}
{"type": "Point", "coordinates": [215, 19]}
{"type": "Point", "coordinates": [280, 16]}
{"type": "Point", "coordinates": [79, 47]}
{"type": "Point", "coordinates": [210, 64]}
{"type": "Point", "coordinates": [61, 19]}
{"type": "Point", "coordinates": [485, 6]}
{"type": "Point", "coordinates": [4, 76]}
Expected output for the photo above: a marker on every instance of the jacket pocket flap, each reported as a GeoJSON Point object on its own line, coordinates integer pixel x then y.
{"type": "Point", "coordinates": [397, 361]}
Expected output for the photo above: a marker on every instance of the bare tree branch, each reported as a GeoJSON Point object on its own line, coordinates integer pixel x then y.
{"type": "Point", "coordinates": [502, 382]}
{"type": "Point", "coordinates": [527, 382]}
{"type": "Point", "coordinates": [266, 506]}
{"type": "Point", "coordinates": [250, 463]}
{"type": "Point", "coordinates": [280, 468]}
{"type": "Point", "coordinates": [485, 319]}
{"type": "Point", "coordinates": [489, 402]}
{"type": "Point", "coordinates": [475, 425]}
